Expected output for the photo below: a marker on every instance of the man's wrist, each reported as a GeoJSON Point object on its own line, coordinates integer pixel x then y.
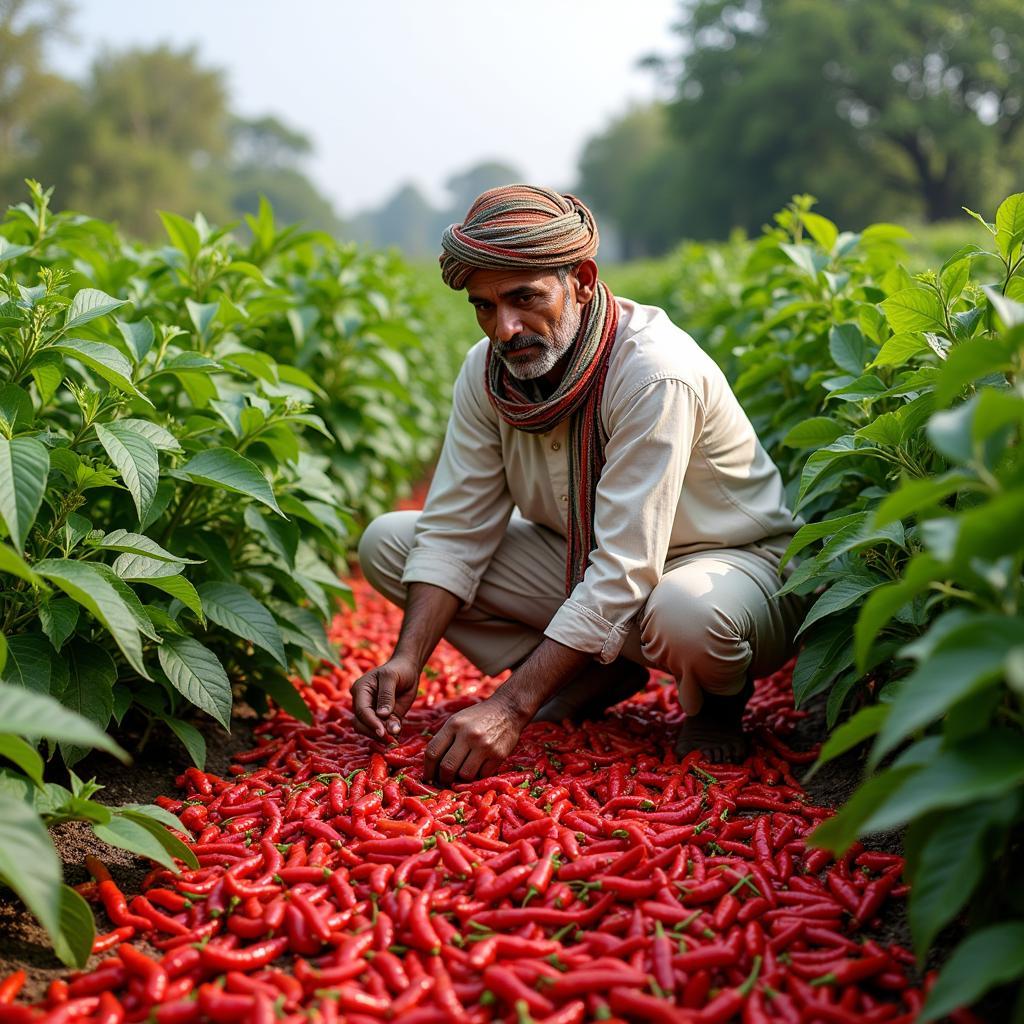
{"type": "Point", "coordinates": [551, 666]}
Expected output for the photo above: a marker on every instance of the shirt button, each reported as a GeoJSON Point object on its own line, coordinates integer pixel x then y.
{"type": "Point", "coordinates": [555, 446]}
{"type": "Point", "coordinates": [564, 497]}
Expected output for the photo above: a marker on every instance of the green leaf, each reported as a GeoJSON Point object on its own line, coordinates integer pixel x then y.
{"type": "Point", "coordinates": [821, 229]}
{"type": "Point", "coordinates": [915, 496]}
{"type": "Point", "coordinates": [824, 458]}
{"type": "Point", "coordinates": [86, 584]}
{"type": "Point", "coordinates": [814, 433]}
{"type": "Point", "coordinates": [9, 251]}
{"type": "Point", "coordinates": [157, 827]}
{"type": "Point", "coordinates": [182, 233]}
{"type": "Point", "coordinates": [28, 664]}
{"type": "Point", "coordinates": [11, 562]}
{"type": "Point", "coordinates": [24, 466]}
{"type": "Point", "coordinates": [979, 768]}
{"type": "Point", "coordinates": [839, 832]}
{"type": "Point", "coordinates": [915, 309]}
{"type": "Point", "coordinates": [24, 755]}
{"type": "Point", "coordinates": [282, 535]}
{"type": "Point", "coordinates": [58, 619]}
{"type": "Point", "coordinates": [969, 361]}
{"type": "Point", "coordinates": [286, 696]}
{"type": "Point", "coordinates": [845, 592]}
{"type": "Point", "coordinates": [130, 598]}
{"type": "Point", "coordinates": [988, 531]}
{"type": "Point", "coordinates": [196, 673]}
{"type": "Point", "coordinates": [89, 691]}
{"type": "Point", "coordinates": [138, 336]}
{"type": "Point", "coordinates": [47, 370]}
{"type": "Point", "coordinates": [821, 660]}
{"type": "Point", "coordinates": [16, 407]}
{"type": "Point", "coordinates": [887, 600]}
{"type": "Point", "coordinates": [179, 588]}
{"type": "Point", "coordinates": [966, 660]}
{"type": "Point", "coordinates": [105, 360]}
{"type": "Point", "coordinates": [73, 942]}
{"type": "Point", "coordinates": [950, 865]}
{"type": "Point", "coordinates": [137, 544]}
{"type": "Point", "coordinates": [201, 314]}
{"type": "Point", "coordinates": [90, 304]}
{"type": "Point", "coordinates": [311, 627]}
{"type": "Point", "coordinates": [897, 350]}
{"type": "Point", "coordinates": [865, 723]}
{"type": "Point", "coordinates": [1010, 226]}
{"type": "Point", "coordinates": [815, 531]}
{"type": "Point", "coordinates": [986, 958]}
{"type": "Point", "coordinates": [161, 438]}
{"type": "Point", "coordinates": [136, 460]}
{"type": "Point", "coordinates": [28, 861]}
{"type": "Point", "coordinates": [805, 258]}
{"type": "Point", "coordinates": [950, 431]}
{"type": "Point", "coordinates": [191, 739]}
{"type": "Point", "coordinates": [226, 469]}
{"type": "Point", "coordinates": [136, 838]}
{"type": "Point", "coordinates": [848, 348]}
{"type": "Point", "coordinates": [234, 608]}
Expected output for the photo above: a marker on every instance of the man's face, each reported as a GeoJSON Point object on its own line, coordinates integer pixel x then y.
{"type": "Point", "coordinates": [530, 318]}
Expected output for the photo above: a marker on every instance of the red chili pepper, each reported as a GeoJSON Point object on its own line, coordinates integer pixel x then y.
{"type": "Point", "coordinates": [152, 973]}
{"type": "Point", "coordinates": [259, 955]}
{"type": "Point", "coordinates": [11, 986]}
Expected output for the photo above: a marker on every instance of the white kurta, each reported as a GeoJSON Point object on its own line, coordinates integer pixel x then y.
{"type": "Point", "coordinates": [684, 472]}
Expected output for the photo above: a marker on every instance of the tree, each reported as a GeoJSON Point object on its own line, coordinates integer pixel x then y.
{"type": "Point", "coordinates": [628, 174]}
{"type": "Point", "coordinates": [406, 220]}
{"type": "Point", "coordinates": [466, 185]}
{"type": "Point", "coordinates": [879, 108]}
{"type": "Point", "coordinates": [27, 86]}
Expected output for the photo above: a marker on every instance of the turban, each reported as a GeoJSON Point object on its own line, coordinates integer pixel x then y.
{"type": "Point", "coordinates": [518, 226]}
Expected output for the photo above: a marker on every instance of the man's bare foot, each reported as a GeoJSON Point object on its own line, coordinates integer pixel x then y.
{"type": "Point", "coordinates": [716, 731]}
{"type": "Point", "coordinates": [593, 691]}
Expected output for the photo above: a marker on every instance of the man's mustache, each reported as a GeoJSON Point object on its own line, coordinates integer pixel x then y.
{"type": "Point", "coordinates": [519, 341]}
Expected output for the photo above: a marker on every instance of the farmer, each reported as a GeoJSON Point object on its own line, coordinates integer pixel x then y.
{"type": "Point", "coordinates": [602, 506]}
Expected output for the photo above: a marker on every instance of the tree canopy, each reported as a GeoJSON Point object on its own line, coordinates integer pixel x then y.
{"type": "Point", "coordinates": [881, 109]}
{"type": "Point", "coordinates": [148, 129]}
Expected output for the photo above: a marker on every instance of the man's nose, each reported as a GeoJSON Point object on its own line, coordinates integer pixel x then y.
{"type": "Point", "coordinates": [507, 324]}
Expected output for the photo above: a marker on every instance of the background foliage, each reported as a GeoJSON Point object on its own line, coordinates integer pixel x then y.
{"type": "Point", "coordinates": [892, 402]}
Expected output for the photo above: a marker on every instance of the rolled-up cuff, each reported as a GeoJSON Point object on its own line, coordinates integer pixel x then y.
{"type": "Point", "coordinates": [583, 629]}
{"type": "Point", "coordinates": [442, 570]}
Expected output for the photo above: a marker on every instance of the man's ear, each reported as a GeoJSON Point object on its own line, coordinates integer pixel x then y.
{"type": "Point", "coordinates": [584, 274]}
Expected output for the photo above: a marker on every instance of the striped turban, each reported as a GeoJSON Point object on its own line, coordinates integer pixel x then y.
{"type": "Point", "coordinates": [518, 226]}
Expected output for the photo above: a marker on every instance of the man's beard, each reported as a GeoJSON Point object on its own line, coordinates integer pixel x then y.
{"type": "Point", "coordinates": [550, 351]}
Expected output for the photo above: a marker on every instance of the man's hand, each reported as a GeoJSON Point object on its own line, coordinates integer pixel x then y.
{"type": "Point", "coordinates": [381, 698]}
{"type": "Point", "coordinates": [473, 742]}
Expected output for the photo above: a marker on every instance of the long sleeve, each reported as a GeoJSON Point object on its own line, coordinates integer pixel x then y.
{"type": "Point", "coordinates": [468, 505]}
{"type": "Point", "coordinates": [651, 434]}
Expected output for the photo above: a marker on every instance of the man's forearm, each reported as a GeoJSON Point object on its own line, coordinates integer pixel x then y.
{"type": "Point", "coordinates": [428, 611]}
{"type": "Point", "coordinates": [551, 666]}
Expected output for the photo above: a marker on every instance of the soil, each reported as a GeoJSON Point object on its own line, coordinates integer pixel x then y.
{"type": "Point", "coordinates": [23, 943]}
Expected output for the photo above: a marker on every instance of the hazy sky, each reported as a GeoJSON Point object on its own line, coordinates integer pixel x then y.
{"type": "Point", "coordinates": [399, 90]}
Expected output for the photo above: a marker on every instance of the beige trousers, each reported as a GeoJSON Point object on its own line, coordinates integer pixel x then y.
{"type": "Point", "coordinates": [711, 622]}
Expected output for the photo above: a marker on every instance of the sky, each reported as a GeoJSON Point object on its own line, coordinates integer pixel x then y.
{"type": "Point", "coordinates": [392, 91]}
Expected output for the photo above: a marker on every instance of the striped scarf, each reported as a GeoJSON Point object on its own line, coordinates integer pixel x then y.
{"type": "Point", "coordinates": [579, 396]}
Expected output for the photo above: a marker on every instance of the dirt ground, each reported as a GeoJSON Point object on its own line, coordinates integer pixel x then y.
{"type": "Point", "coordinates": [23, 943]}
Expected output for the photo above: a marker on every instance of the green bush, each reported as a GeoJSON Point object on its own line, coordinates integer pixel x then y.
{"type": "Point", "coordinates": [893, 404]}
{"type": "Point", "coordinates": [188, 439]}
{"type": "Point", "coordinates": [29, 863]}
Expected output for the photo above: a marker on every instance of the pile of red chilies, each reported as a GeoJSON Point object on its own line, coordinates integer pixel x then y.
{"type": "Point", "coordinates": [599, 877]}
